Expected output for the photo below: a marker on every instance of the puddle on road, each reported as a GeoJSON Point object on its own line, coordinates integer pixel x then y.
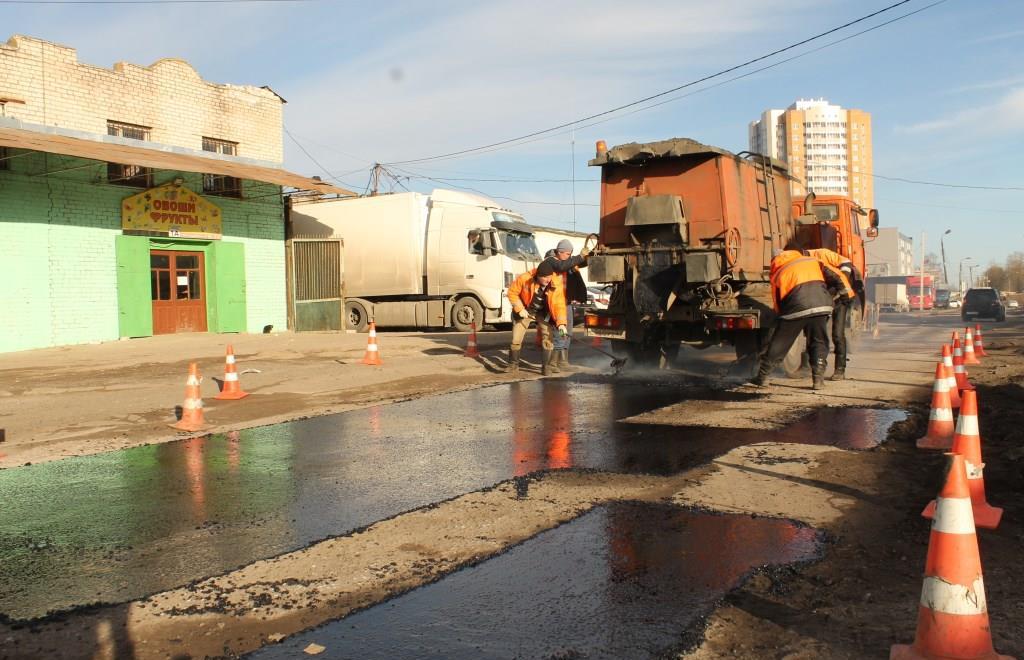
{"type": "Point", "coordinates": [623, 581]}
{"type": "Point", "coordinates": [118, 526]}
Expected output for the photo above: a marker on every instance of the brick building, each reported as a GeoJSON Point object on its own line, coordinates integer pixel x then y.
{"type": "Point", "coordinates": [136, 200]}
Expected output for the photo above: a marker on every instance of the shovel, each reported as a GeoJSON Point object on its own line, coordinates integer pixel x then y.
{"type": "Point", "coordinates": [617, 362]}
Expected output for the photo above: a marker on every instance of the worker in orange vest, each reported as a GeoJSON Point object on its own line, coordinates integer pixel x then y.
{"type": "Point", "coordinates": [803, 303]}
{"type": "Point", "coordinates": [536, 295]}
{"type": "Point", "coordinates": [853, 284]}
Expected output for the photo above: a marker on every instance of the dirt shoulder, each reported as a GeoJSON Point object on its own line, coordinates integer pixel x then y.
{"type": "Point", "coordinates": [79, 400]}
{"type": "Point", "coordinates": [863, 596]}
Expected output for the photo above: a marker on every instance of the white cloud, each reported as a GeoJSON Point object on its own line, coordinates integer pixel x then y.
{"type": "Point", "coordinates": [501, 69]}
{"type": "Point", "coordinates": [1001, 117]}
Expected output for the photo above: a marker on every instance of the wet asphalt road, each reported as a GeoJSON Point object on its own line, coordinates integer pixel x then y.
{"type": "Point", "coordinates": [118, 526]}
{"type": "Point", "coordinates": [625, 580]}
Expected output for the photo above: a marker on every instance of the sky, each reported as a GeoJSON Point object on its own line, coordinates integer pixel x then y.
{"type": "Point", "coordinates": [398, 81]}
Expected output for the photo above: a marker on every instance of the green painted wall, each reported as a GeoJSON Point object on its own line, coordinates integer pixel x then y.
{"type": "Point", "coordinates": [60, 237]}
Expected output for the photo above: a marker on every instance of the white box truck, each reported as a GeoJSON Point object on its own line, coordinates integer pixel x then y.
{"type": "Point", "coordinates": [892, 297]}
{"type": "Point", "coordinates": [416, 260]}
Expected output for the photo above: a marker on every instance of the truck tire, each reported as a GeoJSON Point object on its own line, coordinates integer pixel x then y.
{"type": "Point", "coordinates": [356, 317]}
{"type": "Point", "coordinates": [466, 312]}
{"type": "Point", "coordinates": [748, 347]}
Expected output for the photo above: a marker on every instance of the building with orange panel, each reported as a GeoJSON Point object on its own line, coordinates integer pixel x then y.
{"type": "Point", "coordinates": [828, 148]}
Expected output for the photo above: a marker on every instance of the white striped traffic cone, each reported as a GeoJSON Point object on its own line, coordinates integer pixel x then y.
{"type": "Point", "coordinates": [952, 618]}
{"type": "Point", "coordinates": [940, 419]}
{"type": "Point", "coordinates": [372, 355]}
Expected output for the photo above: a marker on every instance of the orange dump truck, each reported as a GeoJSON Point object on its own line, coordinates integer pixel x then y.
{"type": "Point", "coordinates": [687, 234]}
{"type": "Point", "coordinates": [834, 222]}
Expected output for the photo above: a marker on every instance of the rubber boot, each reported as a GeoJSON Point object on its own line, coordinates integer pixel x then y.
{"type": "Point", "coordinates": [763, 370]}
{"type": "Point", "coordinates": [818, 374]}
{"type": "Point", "coordinates": [563, 359]}
{"type": "Point", "coordinates": [513, 362]}
{"type": "Point", "coordinates": [840, 370]}
{"type": "Point", "coordinates": [550, 367]}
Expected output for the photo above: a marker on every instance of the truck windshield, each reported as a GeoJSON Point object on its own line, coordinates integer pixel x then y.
{"type": "Point", "coordinates": [826, 212]}
{"type": "Point", "coordinates": [518, 244]}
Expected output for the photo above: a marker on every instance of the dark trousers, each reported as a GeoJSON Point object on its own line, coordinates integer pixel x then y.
{"type": "Point", "coordinates": [839, 315]}
{"type": "Point", "coordinates": [787, 331]}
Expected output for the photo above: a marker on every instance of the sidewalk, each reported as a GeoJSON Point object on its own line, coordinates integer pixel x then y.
{"type": "Point", "coordinates": [77, 400]}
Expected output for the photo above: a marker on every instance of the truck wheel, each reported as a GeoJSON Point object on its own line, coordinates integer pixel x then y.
{"type": "Point", "coordinates": [466, 312]}
{"type": "Point", "coordinates": [356, 317]}
{"type": "Point", "coordinates": [748, 348]}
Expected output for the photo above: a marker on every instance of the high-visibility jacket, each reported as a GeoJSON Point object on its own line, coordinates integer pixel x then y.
{"type": "Point", "coordinates": [851, 276]}
{"type": "Point", "coordinates": [524, 288]}
{"type": "Point", "coordinates": [799, 286]}
{"type": "Point", "coordinates": [568, 270]}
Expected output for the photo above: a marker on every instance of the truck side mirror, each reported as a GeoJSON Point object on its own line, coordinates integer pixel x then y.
{"type": "Point", "coordinates": [872, 232]}
{"type": "Point", "coordinates": [809, 203]}
{"type": "Point", "coordinates": [489, 242]}
{"type": "Point", "coordinates": [873, 221]}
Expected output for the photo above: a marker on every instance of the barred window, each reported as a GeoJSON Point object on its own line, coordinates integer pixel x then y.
{"type": "Point", "coordinates": [129, 175]}
{"type": "Point", "coordinates": [217, 184]}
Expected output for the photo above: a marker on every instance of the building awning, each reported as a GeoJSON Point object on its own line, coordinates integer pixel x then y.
{"type": "Point", "coordinates": [54, 143]}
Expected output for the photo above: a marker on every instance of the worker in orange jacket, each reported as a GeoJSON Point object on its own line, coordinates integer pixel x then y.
{"type": "Point", "coordinates": [536, 295]}
{"type": "Point", "coordinates": [803, 303]}
{"type": "Point", "coordinates": [853, 284]}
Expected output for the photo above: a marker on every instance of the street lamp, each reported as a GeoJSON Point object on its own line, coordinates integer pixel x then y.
{"type": "Point", "coordinates": [942, 244]}
{"type": "Point", "coordinates": [970, 270]}
{"type": "Point", "coordinates": [962, 273]}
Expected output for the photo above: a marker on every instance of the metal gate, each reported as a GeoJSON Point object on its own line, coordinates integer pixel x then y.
{"type": "Point", "coordinates": [316, 283]}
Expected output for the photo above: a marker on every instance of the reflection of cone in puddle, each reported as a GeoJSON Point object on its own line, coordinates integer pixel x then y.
{"type": "Point", "coordinates": [967, 443]}
{"type": "Point", "coordinates": [557, 425]}
{"type": "Point", "coordinates": [947, 363]}
{"type": "Point", "coordinates": [940, 419]}
{"type": "Point", "coordinates": [952, 620]}
{"type": "Point", "coordinates": [968, 347]}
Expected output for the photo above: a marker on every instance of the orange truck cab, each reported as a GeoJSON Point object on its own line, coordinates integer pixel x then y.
{"type": "Point", "coordinates": [834, 223]}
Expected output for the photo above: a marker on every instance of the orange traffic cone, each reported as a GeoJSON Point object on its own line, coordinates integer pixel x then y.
{"type": "Point", "coordinates": [952, 619]}
{"type": "Point", "coordinates": [232, 388]}
{"type": "Point", "coordinates": [968, 347]}
{"type": "Point", "coordinates": [947, 362]}
{"type": "Point", "coordinates": [940, 420]}
{"type": "Point", "coordinates": [192, 408]}
{"type": "Point", "coordinates": [372, 356]}
{"type": "Point", "coordinates": [471, 350]}
{"type": "Point", "coordinates": [955, 337]}
{"type": "Point", "coordinates": [979, 346]}
{"type": "Point", "coordinates": [958, 368]}
{"type": "Point", "coordinates": [967, 443]}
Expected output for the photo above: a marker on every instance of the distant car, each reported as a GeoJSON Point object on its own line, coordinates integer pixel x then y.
{"type": "Point", "coordinates": [1013, 304]}
{"type": "Point", "coordinates": [954, 304]}
{"type": "Point", "coordinates": [982, 302]}
{"type": "Point", "coordinates": [598, 297]}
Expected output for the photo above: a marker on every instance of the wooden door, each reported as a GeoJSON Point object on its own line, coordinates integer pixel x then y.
{"type": "Point", "coordinates": [178, 286]}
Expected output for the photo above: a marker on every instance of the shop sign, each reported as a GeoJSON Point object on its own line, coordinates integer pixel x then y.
{"type": "Point", "coordinates": [171, 210]}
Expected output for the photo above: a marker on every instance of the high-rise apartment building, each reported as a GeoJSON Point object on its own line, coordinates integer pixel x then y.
{"type": "Point", "coordinates": [828, 148]}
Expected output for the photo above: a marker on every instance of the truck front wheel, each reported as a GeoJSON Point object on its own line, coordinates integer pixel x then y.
{"type": "Point", "coordinates": [467, 312]}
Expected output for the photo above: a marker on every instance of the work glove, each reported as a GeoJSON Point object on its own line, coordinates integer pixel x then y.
{"type": "Point", "coordinates": [584, 253]}
{"type": "Point", "coordinates": [523, 314]}
{"type": "Point", "coordinates": [562, 332]}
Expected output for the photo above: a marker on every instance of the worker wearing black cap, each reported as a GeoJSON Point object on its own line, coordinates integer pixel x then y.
{"type": "Point", "coordinates": [536, 295]}
{"type": "Point", "coordinates": [567, 268]}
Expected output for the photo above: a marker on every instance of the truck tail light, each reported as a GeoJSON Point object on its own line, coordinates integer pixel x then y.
{"type": "Point", "coordinates": [735, 322]}
{"type": "Point", "coordinates": [595, 321]}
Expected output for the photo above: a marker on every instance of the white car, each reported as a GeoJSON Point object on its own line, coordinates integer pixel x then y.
{"type": "Point", "coordinates": [1013, 304]}
{"type": "Point", "coordinates": [954, 304]}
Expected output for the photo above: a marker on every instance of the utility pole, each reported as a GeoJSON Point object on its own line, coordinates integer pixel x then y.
{"type": "Point", "coordinates": [375, 179]}
{"type": "Point", "coordinates": [920, 301]}
{"type": "Point", "coordinates": [942, 244]}
{"type": "Point", "coordinates": [572, 166]}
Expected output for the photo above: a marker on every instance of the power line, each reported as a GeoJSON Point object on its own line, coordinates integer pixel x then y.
{"type": "Point", "coordinates": [315, 161]}
{"type": "Point", "coordinates": [140, 2]}
{"type": "Point", "coordinates": [448, 182]}
{"type": "Point", "coordinates": [842, 168]}
{"type": "Point", "coordinates": [654, 96]}
{"type": "Point", "coordinates": [972, 209]}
